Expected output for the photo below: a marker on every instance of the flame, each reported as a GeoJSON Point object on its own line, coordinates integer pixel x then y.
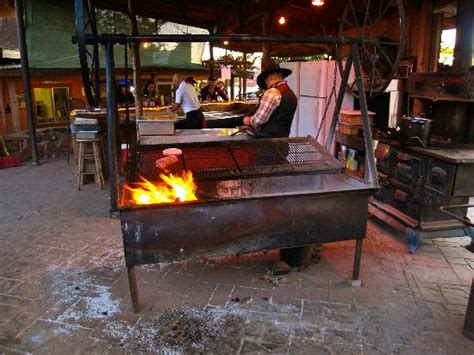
{"type": "Point", "coordinates": [170, 190]}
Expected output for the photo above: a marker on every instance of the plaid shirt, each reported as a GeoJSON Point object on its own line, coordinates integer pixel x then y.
{"type": "Point", "coordinates": [270, 101]}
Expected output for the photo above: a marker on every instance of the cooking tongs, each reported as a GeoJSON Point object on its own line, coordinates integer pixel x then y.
{"type": "Point", "coordinates": [244, 129]}
{"type": "Point", "coordinates": [446, 210]}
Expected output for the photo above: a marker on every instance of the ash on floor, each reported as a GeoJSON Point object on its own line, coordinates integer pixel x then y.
{"type": "Point", "coordinates": [64, 289]}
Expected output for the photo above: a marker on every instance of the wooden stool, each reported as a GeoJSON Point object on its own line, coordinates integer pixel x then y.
{"type": "Point", "coordinates": [96, 156]}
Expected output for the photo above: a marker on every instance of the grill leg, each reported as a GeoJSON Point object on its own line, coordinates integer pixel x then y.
{"type": "Point", "coordinates": [355, 271]}
{"type": "Point", "coordinates": [132, 281]}
{"type": "Point", "coordinates": [296, 257]}
{"type": "Point", "coordinates": [468, 330]}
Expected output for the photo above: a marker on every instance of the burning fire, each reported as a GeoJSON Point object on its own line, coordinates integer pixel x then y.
{"type": "Point", "coordinates": [171, 189]}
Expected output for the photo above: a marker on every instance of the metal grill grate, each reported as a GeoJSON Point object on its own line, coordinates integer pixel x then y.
{"type": "Point", "coordinates": [238, 159]}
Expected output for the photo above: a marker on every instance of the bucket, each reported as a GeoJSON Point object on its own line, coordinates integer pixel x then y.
{"type": "Point", "coordinates": [415, 131]}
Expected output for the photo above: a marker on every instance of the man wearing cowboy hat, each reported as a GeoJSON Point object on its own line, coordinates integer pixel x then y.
{"type": "Point", "coordinates": [277, 106]}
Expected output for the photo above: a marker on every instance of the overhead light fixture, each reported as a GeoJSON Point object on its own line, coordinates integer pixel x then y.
{"type": "Point", "coordinates": [146, 45]}
{"type": "Point", "coordinates": [317, 2]}
{"type": "Point", "coordinates": [282, 20]}
{"type": "Point", "coordinates": [226, 43]}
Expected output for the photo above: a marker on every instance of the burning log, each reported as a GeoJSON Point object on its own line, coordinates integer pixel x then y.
{"type": "Point", "coordinates": [170, 189]}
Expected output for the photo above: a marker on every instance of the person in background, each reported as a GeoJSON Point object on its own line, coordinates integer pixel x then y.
{"type": "Point", "coordinates": [221, 86]}
{"type": "Point", "coordinates": [211, 92]}
{"type": "Point", "coordinates": [186, 98]}
{"type": "Point", "coordinates": [190, 80]}
{"type": "Point", "coordinates": [149, 91]}
{"type": "Point", "coordinates": [124, 96]}
{"type": "Point", "coordinates": [150, 95]}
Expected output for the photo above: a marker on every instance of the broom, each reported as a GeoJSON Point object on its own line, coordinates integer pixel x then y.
{"type": "Point", "coordinates": [6, 160]}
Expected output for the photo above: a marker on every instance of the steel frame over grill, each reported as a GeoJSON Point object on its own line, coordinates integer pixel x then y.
{"type": "Point", "coordinates": [238, 159]}
{"type": "Point", "coordinates": [284, 200]}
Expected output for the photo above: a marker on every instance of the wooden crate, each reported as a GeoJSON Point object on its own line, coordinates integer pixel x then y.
{"type": "Point", "coordinates": [354, 117]}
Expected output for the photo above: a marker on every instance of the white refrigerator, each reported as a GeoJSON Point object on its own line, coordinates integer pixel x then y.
{"type": "Point", "coordinates": [312, 83]}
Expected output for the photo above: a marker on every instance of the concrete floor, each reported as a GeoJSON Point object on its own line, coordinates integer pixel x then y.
{"type": "Point", "coordinates": [63, 288]}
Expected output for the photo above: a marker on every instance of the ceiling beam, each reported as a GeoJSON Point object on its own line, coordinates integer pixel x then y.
{"type": "Point", "coordinates": [244, 14]}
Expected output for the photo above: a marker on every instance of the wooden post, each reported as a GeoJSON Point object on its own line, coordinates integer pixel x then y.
{"type": "Point", "coordinates": [136, 60]}
{"type": "Point", "coordinates": [232, 91]}
{"type": "Point", "coordinates": [25, 73]}
{"type": "Point", "coordinates": [423, 42]}
{"type": "Point", "coordinates": [435, 41]}
{"type": "Point", "coordinates": [2, 108]}
{"type": "Point", "coordinates": [424, 36]}
{"type": "Point", "coordinates": [464, 35]}
{"type": "Point", "coordinates": [14, 105]}
{"type": "Point", "coordinates": [244, 79]}
{"type": "Point", "coordinates": [211, 60]}
{"type": "Point", "coordinates": [265, 55]}
{"type": "Point", "coordinates": [240, 88]}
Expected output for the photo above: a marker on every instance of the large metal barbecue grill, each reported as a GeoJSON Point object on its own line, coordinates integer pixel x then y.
{"type": "Point", "coordinates": [284, 205]}
{"type": "Point", "coordinates": [254, 195]}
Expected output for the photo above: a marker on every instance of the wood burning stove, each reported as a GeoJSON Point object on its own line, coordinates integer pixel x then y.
{"type": "Point", "coordinates": [417, 181]}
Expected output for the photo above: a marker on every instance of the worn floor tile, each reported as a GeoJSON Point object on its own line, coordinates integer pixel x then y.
{"type": "Point", "coordinates": [64, 288]}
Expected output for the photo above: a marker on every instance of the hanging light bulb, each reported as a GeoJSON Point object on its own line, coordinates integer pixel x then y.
{"type": "Point", "coordinates": [226, 43]}
{"type": "Point", "coordinates": [282, 20]}
{"type": "Point", "coordinates": [146, 45]}
{"type": "Point", "coordinates": [317, 2]}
